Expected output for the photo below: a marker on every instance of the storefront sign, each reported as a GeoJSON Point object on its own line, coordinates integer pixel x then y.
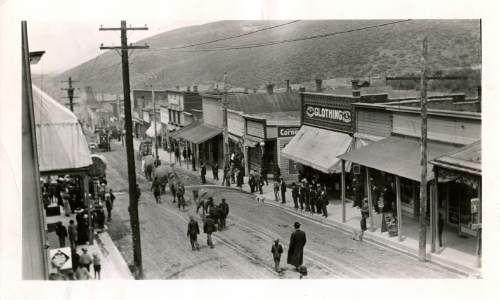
{"type": "Point", "coordinates": [287, 131]}
{"type": "Point", "coordinates": [60, 258]}
{"type": "Point", "coordinates": [164, 118]}
{"type": "Point", "coordinates": [145, 116]}
{"type": "Point", "coordinates": [333, 114]}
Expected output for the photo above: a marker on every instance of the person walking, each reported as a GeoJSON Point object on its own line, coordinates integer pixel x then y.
{"type": "Point", "coordinates": [192, 232]}
{"type": "Point", "coordinates": [283, 191]}
{"type": "Point", "coordinates": [209, 228]}
{"type": "Point", "coordinates": [65, 198]}
{"type": "Point", "coordinates": [184, 154]}
{"type": "Point", "coordinates": [295, 195]}
{"type": "Point", "coordinates": [440, 228]}
{"type": "Point", "coordinates": [72, 234]}
{"type": "Point", "coordinates": [224, 210]}
{"type": "Point", "coordinates": [251, 182]}
{"type": "Point", "coordinates": [239, 178]}
{"type": "Point", "coordinates": [296, 247]}
{"type": "Point", "coordinates": [365, 213]}
{"type": "Point", "coordinates": [324, 201]}
{"type": "Point", "coordinates": [302, 196]}
{"type": "Point", "coordinates": [96, 261]}
{"type": "Point", "coordinates": [276, 189]}
{"type": "Point", "coordinates": [189, 153]}
{"type": "Point", "coordinates": [227, 175]}
{"type": "Point", "coordinates": [110, 200]}
{"type": "Point", "coordinates": [180, 196]}
{"type": "Point", "coordinates": [259, 183]}
{"type": "Point", "coordinates": [203, 172]}
{"type": "Point", "coordinates": [263, 174]}
{"type": "Point", "coordinates": [215, 171]}
{"type": "Point", "coordinates": [62, 233]}
{"type": "Point", "coordinates": [156, 188]}
{"type": "Point", "coordinates": [277, 250]}
{"type": "Point", "coordinates": [85, 259]}
{"type": "Point", "coordinates": [177, 155]}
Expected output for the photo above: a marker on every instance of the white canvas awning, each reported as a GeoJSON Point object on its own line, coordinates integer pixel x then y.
{"type": "Point", "coordinates": [60, 140]}
{"type": "Point", "coordinates": [151, 130]}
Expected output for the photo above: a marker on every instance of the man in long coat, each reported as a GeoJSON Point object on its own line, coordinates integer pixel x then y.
{"type": "Point", "coordinates": [296, 247]}
{"type": "Point", "coordinates": [192, 232]}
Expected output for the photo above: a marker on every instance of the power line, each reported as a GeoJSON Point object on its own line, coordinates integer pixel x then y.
{"type": "Point", "coordinates": [230, 37]}
{"type": "Point", "coordinates": [248, 46]}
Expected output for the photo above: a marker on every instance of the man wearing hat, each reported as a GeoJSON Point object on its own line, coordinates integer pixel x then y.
{"type": "Point", "coordinates": [296, 247]}
{"type": "Point", "coordinates": [192, 232]}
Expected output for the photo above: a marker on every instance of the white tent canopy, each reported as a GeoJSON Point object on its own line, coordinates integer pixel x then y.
{"type": "Point", "coordinates": [60, 140]}
{"type": "Point", "coordinates": [151, 130]}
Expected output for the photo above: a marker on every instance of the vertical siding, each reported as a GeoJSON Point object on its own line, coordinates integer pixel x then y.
{"type": "Point", "coordinates": [451, 130]}
{"type": "Point", "coordinates": [235, 123]}
{"type": "Point", "coordinates": [272, 132]}
{"type": "Point", "coordinates": [284, 163]}
{"type": "Point", "coordinates": [373, 122]}
{"type": "Point", "coordinates": [212, 112]}
{"type": "Point", "coordinates": [255, 129]}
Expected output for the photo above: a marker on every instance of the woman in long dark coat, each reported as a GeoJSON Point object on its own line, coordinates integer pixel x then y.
{"type": "Point", "coordinates": [296, 247]}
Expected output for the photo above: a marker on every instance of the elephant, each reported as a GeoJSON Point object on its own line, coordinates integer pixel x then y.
{"type": "Point", "coordinates": [148, 162]}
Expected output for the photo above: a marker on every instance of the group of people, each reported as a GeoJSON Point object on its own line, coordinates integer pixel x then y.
{"type": "Point", "coordinates": [295, 255]}
{"type": "Point", "coordinates": [80, 267]}
{"type": "Point", "coordinates": [310, 196]}
{"type": "Point", "coordinates": [64, 192]}
{"type": "Point", "coordinates": [186, 153]}
{"type": "Point", "coordinates": [214, 218]}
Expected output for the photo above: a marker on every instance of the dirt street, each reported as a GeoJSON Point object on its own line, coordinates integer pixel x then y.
{"type": "Point", "coordinates": [243, 250]}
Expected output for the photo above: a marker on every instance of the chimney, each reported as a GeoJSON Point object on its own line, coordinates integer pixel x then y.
{"type": "Point", "coordinates": [254, 91]}
{"type": "Point", "coordinates": [288, 85]}
{"type": "Point", "coordinates": [195, 88]}
{"type": "Point", "coordinates": [355, 88]}
{"type": "Point", "coordinates": [177, 87]}
{"type": "Point", "coordinates": [188, 88]}
{"type": "Point", "coordinates": [270, 88]}
{"type": "Point", "coordinates": [354, 84]}
{"type": "Point", "coordinates": [246, 90]}
{"type": "Point", "coordinates": [302, 89]}
{"type": "Point", "coordinates": [319, 82]}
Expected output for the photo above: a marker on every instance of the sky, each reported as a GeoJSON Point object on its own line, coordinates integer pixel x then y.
{"type": "Point", "coordinates": [68, 44]}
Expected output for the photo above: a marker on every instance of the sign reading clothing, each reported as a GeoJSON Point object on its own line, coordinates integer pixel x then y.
{"type": "Point", "coordinates": [331, 114]}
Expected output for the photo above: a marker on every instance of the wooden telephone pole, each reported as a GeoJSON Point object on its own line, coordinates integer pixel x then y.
{"type": "Point", "coordinates": [71, 92]}
{"type": "Point", "coordinates": [133, 208]}
{"type": "Point", "coordinates": [224, 124]}
{"type": "Point", "coordinates": [423, 162]}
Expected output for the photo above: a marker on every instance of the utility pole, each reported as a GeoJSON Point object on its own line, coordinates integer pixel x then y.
{"type": "Point", "coordinates": [154, 117]}
{"type": "Point", "coordinates": [423, 162]}
{"type": "Point", "coordinates": [133, 199]}
{"type": "Point", "coordinates": [224, 123]}
{"type": "Point", "coordinates": [71, 92]}
{"type": "Point", "coordinates": [423, 146]}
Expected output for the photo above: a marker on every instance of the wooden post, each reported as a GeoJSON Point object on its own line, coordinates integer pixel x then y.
{"type": "Point", "coordinates": [89, 205]}
{"type": "Point", "coordinates": [480, 230]}
{"type": "Point", "coordinates": [343, 191]}
{"type": "Point", "coordinates": [369, 192]}
{"type": "Point", "coordinates": [245, 157]}
{"type": "Point", "coordinates": [434, 210]}
{"type": "Point", "coordinates": [399, 208]}
{"type": "Point", "coordinates": [423, 161]}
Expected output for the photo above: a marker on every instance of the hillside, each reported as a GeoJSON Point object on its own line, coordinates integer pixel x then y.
{"type": "Point", "coordinates": [393, 49]}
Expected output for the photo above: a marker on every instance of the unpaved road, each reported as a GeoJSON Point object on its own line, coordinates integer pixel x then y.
{"type": "Point", "coordinates": [242, 251]}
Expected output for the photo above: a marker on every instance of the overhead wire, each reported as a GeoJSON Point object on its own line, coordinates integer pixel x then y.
{"type": "Point", "coordinates": [231, 37]}
{"type": "Point", "coordinates": [255, 45]}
